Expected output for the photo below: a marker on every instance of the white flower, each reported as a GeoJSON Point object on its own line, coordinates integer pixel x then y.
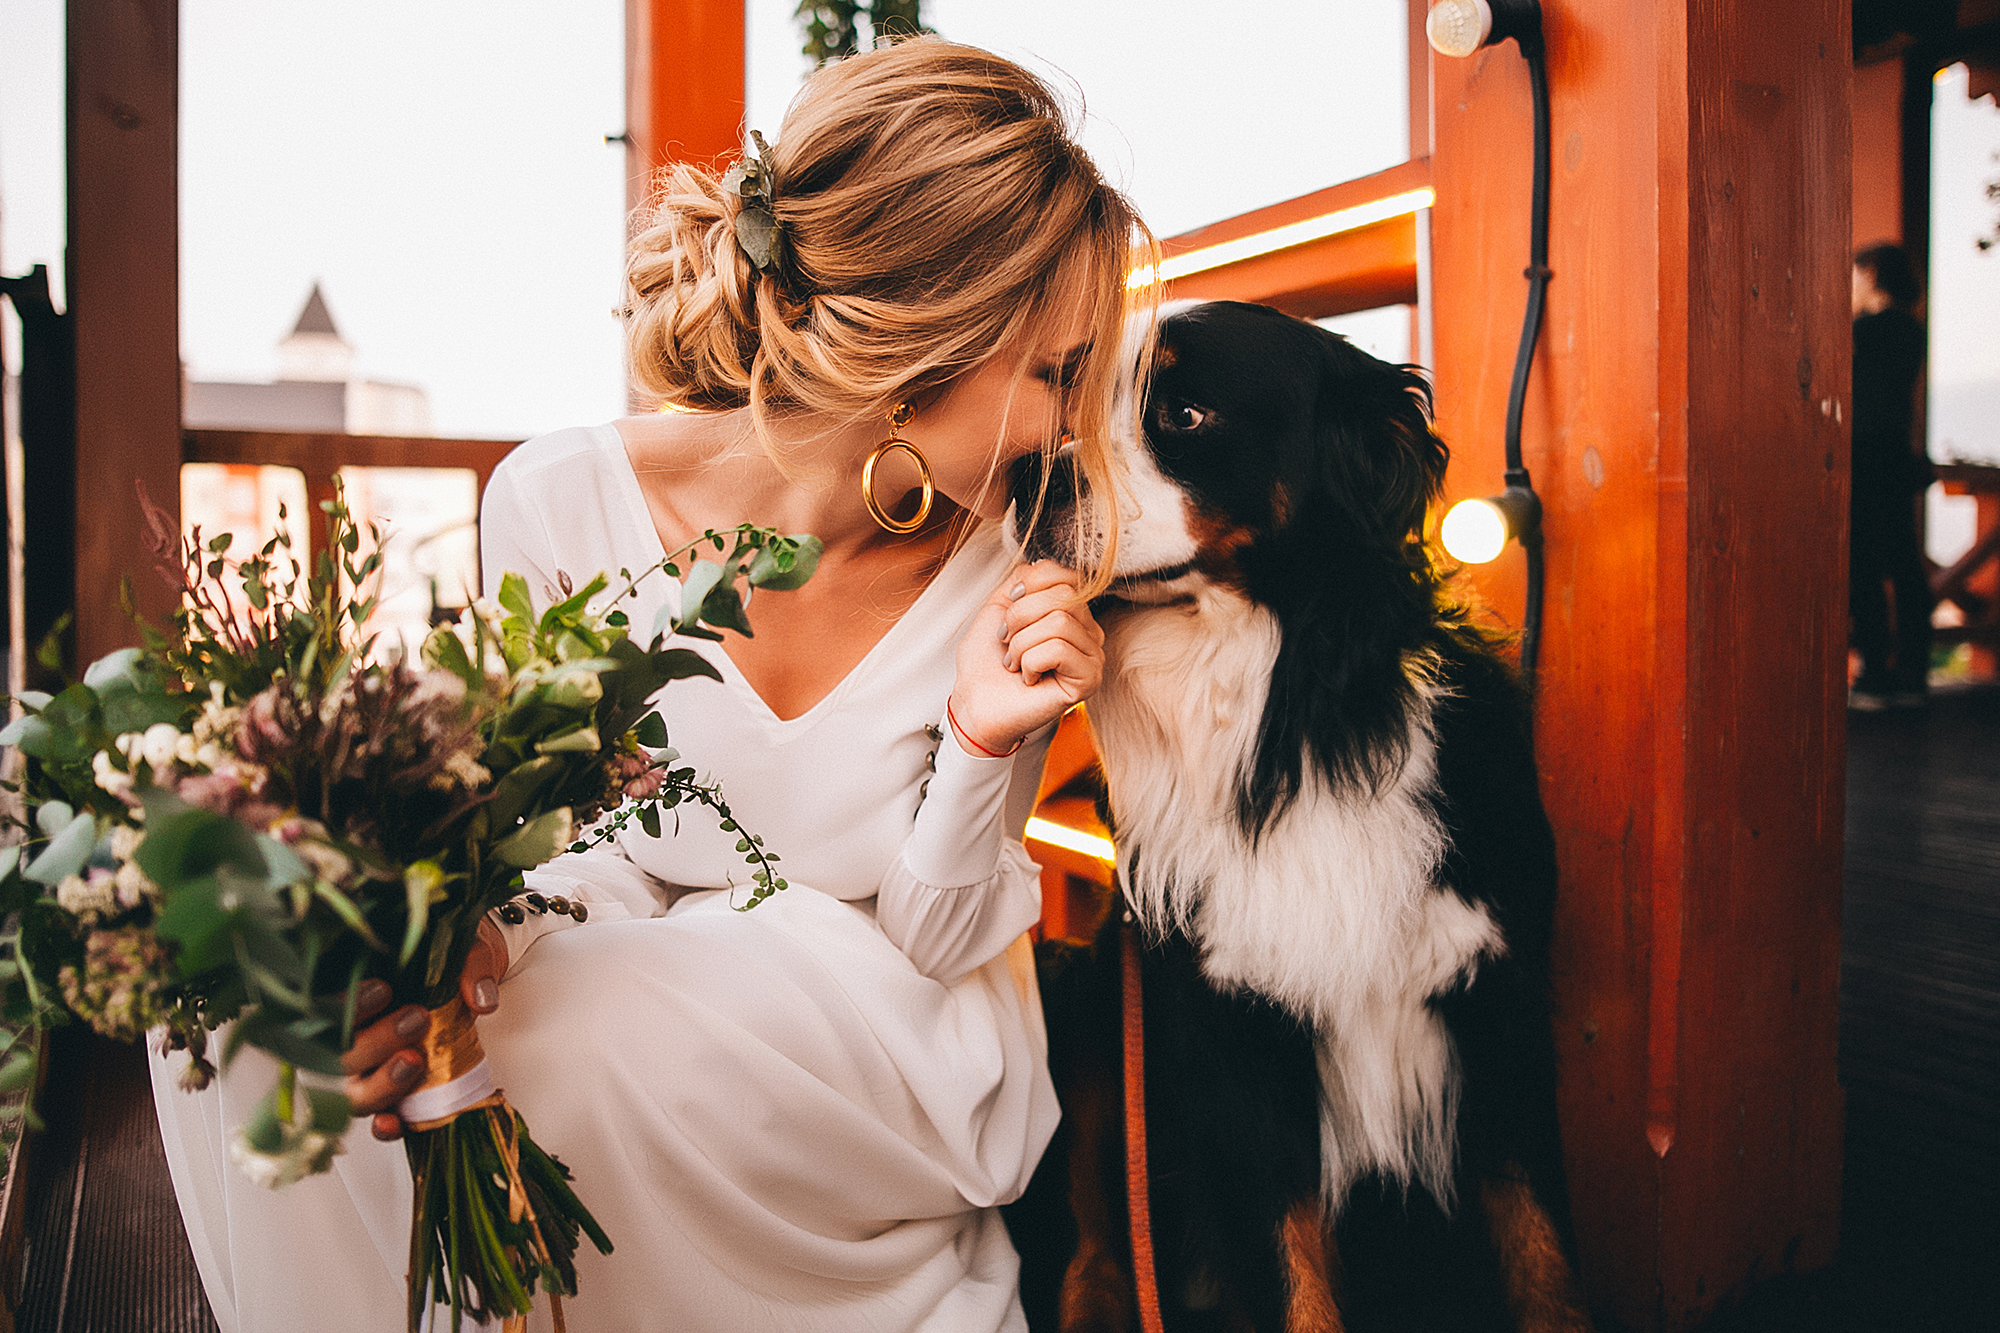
{"type": "Point", "coordinates": [159, 745]}
{"type": "Point", "coordinates": [124, 841]}
{"type": "Point", "coordinates": [109, 776]}
{"type": "Point", "coordinates": [302, 1152]}
{"type": "Point", "coordinates": [132, 887]}
{"type": "Point", "coordinates": [89, 895]}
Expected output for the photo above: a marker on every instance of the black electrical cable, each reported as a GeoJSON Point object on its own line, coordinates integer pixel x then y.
{"type": "Point", "coordinates": [1524, 358]}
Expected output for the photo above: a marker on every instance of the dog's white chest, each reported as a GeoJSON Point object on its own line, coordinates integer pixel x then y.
{"type": "Point", "coordinates": [1335, 913]}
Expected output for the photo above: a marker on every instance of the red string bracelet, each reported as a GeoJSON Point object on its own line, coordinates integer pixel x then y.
{"type": "Point", "coordinates": [952, 718]}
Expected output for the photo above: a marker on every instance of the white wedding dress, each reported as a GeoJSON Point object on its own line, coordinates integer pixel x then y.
{"type": "Point", "coordinates": [801, 1117]}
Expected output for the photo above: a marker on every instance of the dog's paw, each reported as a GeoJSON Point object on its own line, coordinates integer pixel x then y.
{"type": "Point", "coordinates": [1097, 1294]}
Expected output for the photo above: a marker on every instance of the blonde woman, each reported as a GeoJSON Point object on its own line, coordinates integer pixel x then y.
{"type": "Point", "coordinates": [804, 1116]}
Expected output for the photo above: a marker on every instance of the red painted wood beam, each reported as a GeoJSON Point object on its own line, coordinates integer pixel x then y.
{"type": "Point", "coordinates": [124, 296]}
{"type": "Point", "coordinates": [1684, 428]}
{"type": "Point", "coordinates": [683, 85]}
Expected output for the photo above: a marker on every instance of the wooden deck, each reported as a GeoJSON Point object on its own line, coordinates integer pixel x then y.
{"type": "Point", "coordinates": [1920, 1058]}
{"type": "Point", "coordinates": [1919, 1035]}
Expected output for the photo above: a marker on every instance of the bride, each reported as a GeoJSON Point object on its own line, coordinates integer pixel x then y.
{"type": "Point", "coordinates": [804, 1116]}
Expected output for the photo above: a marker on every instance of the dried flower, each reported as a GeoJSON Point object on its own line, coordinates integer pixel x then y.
{"type": "Point", "coordinates": [121, 988]}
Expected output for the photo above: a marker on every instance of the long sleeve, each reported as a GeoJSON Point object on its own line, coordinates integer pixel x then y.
{"type": "Point", "coordinates": [514, 539]}
{"type": "Point", "coordinates": [964, 888]}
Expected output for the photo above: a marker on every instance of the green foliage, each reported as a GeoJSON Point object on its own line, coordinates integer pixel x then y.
{"type": "Point", "coordinates": [833, 27]}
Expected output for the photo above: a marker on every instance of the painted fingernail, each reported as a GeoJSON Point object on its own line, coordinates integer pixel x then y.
{"type": "Point", "coordinates": [406, 1068]}
{"type": "Point", "coordinates": [413, 1021]}
{"type": "Point", "coordinates": [485, 995]}
{"type": "Point", "coordinates": [1018, 591]}
{"type": "Point", "coordinates": [371, 994]}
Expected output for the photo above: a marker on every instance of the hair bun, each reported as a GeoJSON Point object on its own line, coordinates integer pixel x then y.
{"type": "Point", "coordinates": [691, 296]}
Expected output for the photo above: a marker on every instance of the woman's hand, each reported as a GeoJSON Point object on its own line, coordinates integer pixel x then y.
{"type": "Point", "coordinates": [1033, 651]}
{"type": "Point", "coordinates": [384, 1065]}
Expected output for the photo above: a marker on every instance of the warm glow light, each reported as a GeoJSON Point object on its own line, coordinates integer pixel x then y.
{"type": "Point", "coordinates": [1057, 835]}
{"type": "Point", "coordinates": [1284, 238]}
{"type": "Point", "coordinates": [1475, 531]}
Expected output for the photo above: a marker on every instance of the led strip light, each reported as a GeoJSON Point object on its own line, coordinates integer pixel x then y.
{"type": "Point", "coordinates": [1058, 835]}
{"type": "Point", "coordinates": [1284, 238]}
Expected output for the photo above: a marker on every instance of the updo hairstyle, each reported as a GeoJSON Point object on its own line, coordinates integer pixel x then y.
{"type": "Point", "coordinates": [934, 209]}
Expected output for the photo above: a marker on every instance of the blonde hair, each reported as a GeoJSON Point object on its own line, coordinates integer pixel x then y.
{"type": "Point", "coordinates": [934, 209]}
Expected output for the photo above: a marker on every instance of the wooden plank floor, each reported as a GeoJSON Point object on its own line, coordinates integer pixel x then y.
{"type": "Point", "coordinates": [1919, 1034]}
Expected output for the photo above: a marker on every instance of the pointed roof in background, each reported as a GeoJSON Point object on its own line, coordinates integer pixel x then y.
{"type": "Point", "coordinates": [315, 318]}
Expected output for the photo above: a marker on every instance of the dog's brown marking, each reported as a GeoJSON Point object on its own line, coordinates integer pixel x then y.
{"type": "Point", "coordinates": [1097, 1295]}
{"type": "Point", "coordinates": [1307, 1251]}
{"type": "Point", "coordinates": [1218, 541]}
{"type": "Point", "coordinates": [1542, 1292]}
{"type": "Point", "coordinates": [1281, 505]}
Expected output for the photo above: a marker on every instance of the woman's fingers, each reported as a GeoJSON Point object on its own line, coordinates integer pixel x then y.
{"type": "Point", "coordinates": [1060, 600]}
{"type": "Point", "coordinates": [1076, 673]}
{"type": "Point", "coordinates": [381, 1088]}
{"type": "Point", "coordinates": [485, 964]}
{"type": "Point", "coordinates": [384, 1037]}
{"type": "Point", "coordinates": [386, 1126]}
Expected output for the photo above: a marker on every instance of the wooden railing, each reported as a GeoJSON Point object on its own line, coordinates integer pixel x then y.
{"type": "Point", "coordinates": [1972, 582]}
{"type": "Point", "coordinates": [320, 456]}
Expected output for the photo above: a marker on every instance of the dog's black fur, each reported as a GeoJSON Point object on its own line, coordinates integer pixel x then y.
{"type": "Point", "coordinates": [1311, 466]}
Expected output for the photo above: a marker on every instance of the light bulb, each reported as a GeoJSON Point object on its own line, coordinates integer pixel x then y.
{"type": "Point", "coordinates": [1458, 27]}
{"type": "Point", "coordinates": [1474, 531]}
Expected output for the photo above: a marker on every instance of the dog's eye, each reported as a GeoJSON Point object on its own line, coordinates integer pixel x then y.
{"type": "Point", "coordinates": [1183, 417]}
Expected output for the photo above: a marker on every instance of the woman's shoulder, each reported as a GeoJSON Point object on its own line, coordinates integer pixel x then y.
{"type": "Point", "coordinates": [564, 459]}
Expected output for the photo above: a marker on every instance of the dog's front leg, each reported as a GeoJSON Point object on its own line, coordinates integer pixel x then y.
{"type": "Point", "coordinates": [1097, 1293]}
{"type": "Point", "coordinates": [1541, 1289]}
{"type": "Point", "coordinates": [1311, 1263]}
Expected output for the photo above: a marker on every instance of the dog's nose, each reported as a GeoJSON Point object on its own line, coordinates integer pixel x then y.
{"type": "Point", "coordinates": [1044, 492]}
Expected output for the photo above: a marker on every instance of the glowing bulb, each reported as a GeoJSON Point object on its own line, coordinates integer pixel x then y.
{"type": "Point", "coordinates": [1474, 531]}
{"type": "Point", "coordinates": [1458, 27]}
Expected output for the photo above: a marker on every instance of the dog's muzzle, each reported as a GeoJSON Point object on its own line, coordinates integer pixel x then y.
{"type": "Point", "coordinates": [1043, 520]}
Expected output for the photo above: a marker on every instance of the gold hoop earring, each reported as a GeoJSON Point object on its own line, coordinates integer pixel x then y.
{"type": "Point", "coordinates": [899, 418]}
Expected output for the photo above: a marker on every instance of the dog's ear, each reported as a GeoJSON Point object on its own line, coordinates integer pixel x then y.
{"type": "Point", "coordinates": [1376, 451]}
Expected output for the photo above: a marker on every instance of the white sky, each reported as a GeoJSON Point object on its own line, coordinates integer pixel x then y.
{"type": "Point", "coordinates": [440, 167]}
{"type": "Point", "coordinates": [1965, 281]}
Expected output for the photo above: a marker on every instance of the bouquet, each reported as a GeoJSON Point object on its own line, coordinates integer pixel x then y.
{"type": "Point", "coordinates": [240, 822]}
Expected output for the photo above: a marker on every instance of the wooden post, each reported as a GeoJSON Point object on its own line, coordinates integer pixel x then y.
{"type": "Point", "coordinates": [124, 300]}
{"type": "Point", "coordinates": [1686, 426]}
{"type": "Point", "coordinates": [683, 86]}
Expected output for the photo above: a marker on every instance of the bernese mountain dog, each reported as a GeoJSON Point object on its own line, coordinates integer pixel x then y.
{"type": "Point", "coordinates": [1322, 786]}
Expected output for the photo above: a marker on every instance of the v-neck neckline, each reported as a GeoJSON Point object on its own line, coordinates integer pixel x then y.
{"type": "Point", "coordinates": [719, 657]}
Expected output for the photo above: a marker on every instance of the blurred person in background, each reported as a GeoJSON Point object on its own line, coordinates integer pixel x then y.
{"type": "Point", "coordinates": [1892, 634]}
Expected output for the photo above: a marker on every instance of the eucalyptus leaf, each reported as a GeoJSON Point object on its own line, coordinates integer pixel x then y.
{"type": "Point", "coordinates": [126, 666]}
{"type": "Point", "coordinates": [29, 732]}
{"type": "Point", "coordinates": [537, 841]}
{"type": "Point", "coordinates": [584, 740]}
{"type": "Point", "coordinates": [444, 649]}
{"type": "Point", "coordinates": [767, 571]}
{"type": "Point", "coordinates": [651, 731]}
{"type": "Point", "coordinates": [66, 853]}
{"type": "Point", "coordinates": [702, 578]}
{"type": "Point", "coordinates": [724, 609]}
{"type": "Point", "coordinates": [54, 817]}
{"type": "Point", "coordinates": [9, 858]}
{"type": "Point", "coordinates": [514, 597]}
{"type": "Point", "coordinates": [34, 700]}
